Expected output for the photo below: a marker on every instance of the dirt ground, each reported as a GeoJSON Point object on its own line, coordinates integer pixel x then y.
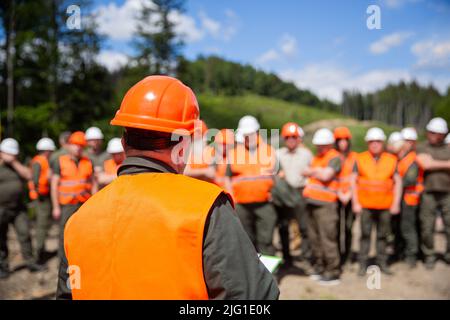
{"type": "Point", "coordinates": [404, 284]}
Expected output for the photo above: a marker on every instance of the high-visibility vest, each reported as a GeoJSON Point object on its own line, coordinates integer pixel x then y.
{"type": "Point", "coordinates": [135, 239]}
{"type": "Point", "coordinates": [319, 190]}
{"type": "Point", "coordinates": [411, 194]}
{"type": "Point", "coordinates": [375, 181]}
{"type": "Point", "coordinates": [110, 167]}
{"type": "Point", "coordinates": [345, 175]}
{"type": "Point", "coordinates": [43, 187]}
{"type": "Point", "coordinates": [252, 173]}
{"type": "Point", "coordinates": [75, 181]}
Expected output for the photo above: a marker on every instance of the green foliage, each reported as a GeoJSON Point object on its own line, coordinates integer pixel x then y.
{"type": "Point", "coordinates": [215, 75]}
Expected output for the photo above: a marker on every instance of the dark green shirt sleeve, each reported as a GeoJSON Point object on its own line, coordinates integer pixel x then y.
{"type": "Point", "coordinates": [55, 166]}
{"type": "Point", "coordinates": [410, 178]}
{"type": "Point", "coordinates": [36, 168]}
{"type": "Point", "coordinates": [231, 265]}
{"type": "Point", "coordinates": [335, 164]}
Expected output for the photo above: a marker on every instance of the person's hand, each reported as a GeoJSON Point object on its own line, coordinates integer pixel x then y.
{"type": "Point", "coordinates": [395, 209]}
{"type": "Point", "coordinates": [8, 158]}
{"type": "Point", "coordinates": [307, 172]}
{"type": "Point", "coordinates": [357, 208]}
{"type": "Point", "coordinates": [424, 158]}
{"type": "Point", "coordinates": [56, 212]}
{"type": "Point", "coordinates": [344, 197]}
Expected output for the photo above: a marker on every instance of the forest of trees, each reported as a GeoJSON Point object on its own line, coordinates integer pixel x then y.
{"type": "Point", "coordinates": [403, 104]}
{"type": "Point", "coordinates": [51, 79]}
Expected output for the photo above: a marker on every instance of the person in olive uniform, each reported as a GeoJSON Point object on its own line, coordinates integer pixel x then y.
{"type": "Point", "coordinates": [287, 194]}
{"type": "Point", "coordinates": [434, 157]}
{"type": "Point", "coordinates": [63, 140]}
{"type": "Point", "coordinates": [13, 175]}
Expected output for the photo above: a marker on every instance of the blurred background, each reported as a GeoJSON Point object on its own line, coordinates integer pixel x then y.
{"type": "Point", "coordinates": [66, 67]}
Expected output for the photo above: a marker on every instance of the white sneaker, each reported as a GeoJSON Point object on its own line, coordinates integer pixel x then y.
{"type": "Point", "coordinates": [315, 277]}
{"type": "Point", "coordinates": [333, 282]}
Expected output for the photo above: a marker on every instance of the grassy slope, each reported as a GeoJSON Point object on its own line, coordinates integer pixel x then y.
{"type": "Point", "coordinates": [225, 112]}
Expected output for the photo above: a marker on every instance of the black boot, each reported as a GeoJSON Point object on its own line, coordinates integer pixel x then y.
{"type": "Point", "coordinates": [4, 273]}
{"type": "Point", "coordinates": [362, 269]}
{"type": "Point", "coordinates": [34, 267]}
{"type": "Point", "coordinates": [385, 269]}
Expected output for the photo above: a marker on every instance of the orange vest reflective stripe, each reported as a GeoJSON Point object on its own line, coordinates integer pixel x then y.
{"type": "Point", "coordinates": [43, 187]}
{"type": "Point", "coordinates": [136, 240]}
{"type": "Point", "coordinates": [110, 167]}
{"type": "Point", "coordinates": [411, 194]}
{"type": "Point", "coordinates": [319, 190]}
{"type": "Point", "coordinates": [375, 182]}
{"type": "Point", "coordinates": [74, 185]}
{"type": "Point", "coordinates": [252, 173]}
{"type": "Point", "coordinates": [344, 176]}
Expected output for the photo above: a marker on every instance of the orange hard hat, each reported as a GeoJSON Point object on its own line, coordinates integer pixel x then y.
{"type": "Point", "coordinates": [342, 133]}
{"type": "Point", "coordinates": [290, 129]}
{"type": "Point", "coordinates": [78, 138]}
{"type": "Point", "coordinates": [158, 103]}
{"type": "Point", "coordinates": [224, 136]}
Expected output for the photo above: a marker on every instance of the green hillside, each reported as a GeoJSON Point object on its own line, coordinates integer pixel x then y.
{"type": "Point", "coordinates": [225, 112]}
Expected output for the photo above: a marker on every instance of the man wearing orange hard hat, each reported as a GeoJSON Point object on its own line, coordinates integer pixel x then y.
{"type": "Point", "coordinates": [155, 233]}
{"type": "Point", "coordinates": [287, 194]}
{"type": "Point", "coordinates": [72, 182]}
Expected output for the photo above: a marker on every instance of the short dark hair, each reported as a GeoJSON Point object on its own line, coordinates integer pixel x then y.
{"type": "Point", "coordinates": [148, 140]}
{"type": "Point", "coordinates": [64, 137]}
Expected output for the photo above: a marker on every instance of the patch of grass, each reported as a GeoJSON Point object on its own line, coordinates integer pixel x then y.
{"type": "Point", "coordinates": [225, 112]}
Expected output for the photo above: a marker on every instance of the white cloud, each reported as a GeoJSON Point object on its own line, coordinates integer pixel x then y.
{"type": "Point", "coordinates": [112, 60]}
{"type": "Point", "coordinates": [387, 42]}
{"type": "Point", "coordinates": [268, 56]}
{"type": "Point", "coordinates": [209, 25]}
{"type": "Point", "coordinates": [328, 81]}
{"type": "Point", "coordinates": [186, 27]}
{"type": "Point", "coordinates": [432, 53]}
{"type": "Point", "coordinates": [288, 45]}
{"type": "Point", "coordinates": [119, 21]}
{"type": "Point", "coordinates": [287, 48]}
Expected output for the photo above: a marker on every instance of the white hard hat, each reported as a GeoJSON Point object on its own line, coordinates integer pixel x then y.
{"type": "Point", "coordinates": [409, 134]}
{"type": "Point", "coordinates": [94, 133]}
{"type": "Point", "coordinates": [447, 139]}
{"type": "Point", "coordinates": [45, 144]}
{"type": "Point", "coordinates": [437, 125]}
{"type": "Point", "coordinates": [301, 133]}
{"type": "Point", "coordinates": [248, 125]}
{"type": "Point", "coordinates": [323, 137]}
{"type": "Point", "coordinates": [395, 137]}
{"type": "Point", "coordinates": [375, 134]}
{"type": "Point", "coordinates": [10, 146]}
{"type": "Point", "coordinates": [114, 146]}
{"type": "Point", "coordinates": [239, 137]}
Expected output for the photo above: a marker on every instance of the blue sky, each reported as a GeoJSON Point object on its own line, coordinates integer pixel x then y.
{"type": "Point", "coordinates": [321, 45]}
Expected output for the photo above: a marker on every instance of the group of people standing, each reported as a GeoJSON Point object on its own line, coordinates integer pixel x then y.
{"type": "Point", "coordinates": [59, 182]}
{"type": "Point", "coordinates": [398, 188]}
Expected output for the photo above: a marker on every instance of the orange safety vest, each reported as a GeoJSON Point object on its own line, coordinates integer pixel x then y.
{"type": "Point", "coordinates": [74, 185]}
{"type": "Point", "coordinates": [375, 182]}
{"type": "Point", "coordinates": [110, 167]}
{"type": "Point", "coordinates": [43, 187]}
{"type": "Point", "coordinates": [136, 240]}
{"type": "Point", "coordinates": [411, 194]}
{"type": "Point", "coordinates": [319, 190]}
{"type": "Point", "coordinates": [252, 173]}
{"type": "Point", "coordinates": [344, 176]}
